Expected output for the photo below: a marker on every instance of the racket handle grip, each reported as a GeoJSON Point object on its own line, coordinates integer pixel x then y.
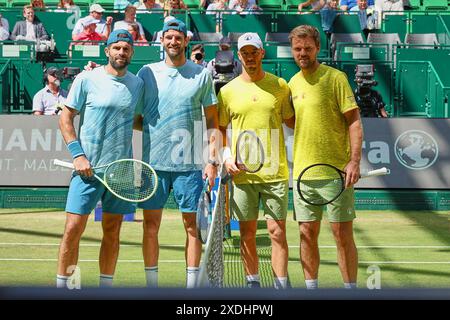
{"type": "Point", "coordinates": [378, 172]}
{"type": "Point", "coordinates": [64, 164]}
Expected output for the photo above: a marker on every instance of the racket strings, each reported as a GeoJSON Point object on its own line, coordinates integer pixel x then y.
{"type": "Point", "coordinates": [250, 152]}
{"type": "Point", "coordinates": [131, 180]}
{"type": "Point", "coordinates": [320, 184]}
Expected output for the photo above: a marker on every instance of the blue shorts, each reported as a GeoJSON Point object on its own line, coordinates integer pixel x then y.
{"type": "Point", "coordinates": [84, 193]}
{"type": "Point", "coordinates": [187, 188]}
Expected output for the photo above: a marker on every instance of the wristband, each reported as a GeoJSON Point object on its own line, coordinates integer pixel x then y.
{"type": "Point", "coordinates": [226, 154]}
{"type": "Point", "coordinates": [75, 149]}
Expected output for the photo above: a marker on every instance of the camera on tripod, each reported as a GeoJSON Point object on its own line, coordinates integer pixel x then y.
{"type": "Point", "coordinates": [368, 100]}
{"type": "Point", "coordinates": [224, 69]}
{"type": "Point", "coordinates": [66, 73]}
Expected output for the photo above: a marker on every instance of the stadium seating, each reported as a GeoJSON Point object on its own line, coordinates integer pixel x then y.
{"type": "Point", "coordinates": [202, 22]}
{"type": "Point", "coordinates": [343, 37]}
{"type": "Point", "coordinates": [209, 36]}
{"type": "Point", "coordinates": [260, 23]}
{"type": "Point", "coordinates": [345, 49]}
{"type": "Point", "coordinates": [192, 4]}
{"type": "Point", "coordinates": [435, 4]}
{"type": "Point", "coordinates": [293, 4]}
{"type": "Point", "coordinates": [422, 38]}
{"type": "Point", "coordinates": [277, 45]}
{"type": "Point", "coordinates": [271, 4]}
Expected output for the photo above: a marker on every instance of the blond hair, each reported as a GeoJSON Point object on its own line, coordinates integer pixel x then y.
{"type": "Point", "coordinates": [304, 31]}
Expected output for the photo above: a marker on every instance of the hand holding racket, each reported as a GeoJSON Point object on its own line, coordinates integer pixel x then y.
{"type": "Point", "coordinates": [128, 179]}
{"type": "Point", "coordinates": [322, 183]}
{"type": "Point", "coordinates": [204, 214]}
{"type": "Point", "coordinates": [249, 154]}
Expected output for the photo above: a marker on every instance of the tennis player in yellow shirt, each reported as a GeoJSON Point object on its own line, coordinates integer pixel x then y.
{"type": "Point", "coordinates": [327, 130]}
{"type": "Point", "coordinates": [260, 102]}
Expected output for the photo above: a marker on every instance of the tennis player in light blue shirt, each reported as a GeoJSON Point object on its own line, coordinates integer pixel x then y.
{"type": "Point", "coordinates": [177, 91]}
{"type": "Point", "coordinates": [106, 100]}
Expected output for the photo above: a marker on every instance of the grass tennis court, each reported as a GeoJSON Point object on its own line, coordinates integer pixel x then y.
{"type": "Point", "coordinates": [412, 249]}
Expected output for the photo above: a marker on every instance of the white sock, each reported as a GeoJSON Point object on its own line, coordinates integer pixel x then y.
{"type": "Point", "coordinates": [106, 281]}
{"type": "Point", "coordinates": [151, 275]}
{"type": "Point", "coordinates": [312, 284]}
{"type": "Point", "coordinates": [280, 282]}
{"type": "Point", "coordinates": [191, 276]}
{"type": "Point", "coordinates": [61, 281]}
{"type": "Point", "coordinates": [350, 285]}
{"type": "Point", "coordinates": [253, 277]}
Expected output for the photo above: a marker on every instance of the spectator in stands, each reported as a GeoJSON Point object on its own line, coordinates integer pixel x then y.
{"type": "Point", "coordinates": [50, 99]}
{"type": "Point", "coordinates": [328, 13]}
{"type": "Point", "coordinates": [244, 7]}
{"type": "Point", "coordinates": [388, 5]}
{"type": "Point", "coordinates": [122, 4]}
{"type": "Point", "coordinates": [316, 5]}
{"type": "Point", "coordinates": [214, 7]}
{"type": "Point", "coordinates": [206, 3]}
{"type": "Point", "coordinates": [89, 34]}
{"type": "Point", "coordinates": [367, 16]}
{"type": "Point", "coordinates": [4, 29]}
{"type": "Point", "coordinates": [29, 29]}
{"type": "Point", "coordinates": [103, 27]}
{"type": "Point", "coordinates": [232, 3]}
{"type": "Point", "coordinates": [139, 40]}
{"type": "Point", "coordinates": [225, 45]}
{"type": "Point", "coordinates": [198, 55]}
{"type": "Point", "coordinates": [145, 6]}
{"type": "Point", "coordinates": [130, 17]}
{"type": "Point", "coordinates": [39, 4]}
{"type": "Point", "coordinates": [174, 6]}
{"type": "Point", "coordinates": [68, 6]}
{"type": "Point", "coordinates": [347, 5]}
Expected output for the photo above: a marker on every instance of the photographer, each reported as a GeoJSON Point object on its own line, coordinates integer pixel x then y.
{"type": "Point", "coordinates": [198, 55]}
{"type": "Point", "coordinates": [368, 100]}
{"type": "Point", "coordinates": [47, 100]}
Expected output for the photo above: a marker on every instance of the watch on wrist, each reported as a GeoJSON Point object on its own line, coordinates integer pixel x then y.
{"type": "Point", "coordinates": [213, 162]}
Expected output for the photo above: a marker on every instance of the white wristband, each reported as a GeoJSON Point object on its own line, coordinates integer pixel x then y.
{"type": "Point", "coordinates": [226, 154]}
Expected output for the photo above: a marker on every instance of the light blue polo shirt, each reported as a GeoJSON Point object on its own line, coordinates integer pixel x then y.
{"type": "Point", "coordinates": [107, 105]}
{"type": "Point", "coordinates": [172, 110]}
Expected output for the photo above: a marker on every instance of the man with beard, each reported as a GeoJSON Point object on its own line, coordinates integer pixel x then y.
{"type": "Point", "coordinates": [327, 130]}
{"type": "Point", "coordinates": [106, 99]}
{"type": "Point", "coordinates": [258, 101]}
{"type": "Point", "coordinates": [176, 92]}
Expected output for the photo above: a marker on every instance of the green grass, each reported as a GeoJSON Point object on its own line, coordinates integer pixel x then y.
{"type": "Point", "coordinates": [400, 267]}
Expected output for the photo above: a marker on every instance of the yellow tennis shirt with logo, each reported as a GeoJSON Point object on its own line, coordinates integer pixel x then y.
{"type": "Point", "coordinates": [259, 106]}
{"type": "Point", "coordinates": [321, 132]}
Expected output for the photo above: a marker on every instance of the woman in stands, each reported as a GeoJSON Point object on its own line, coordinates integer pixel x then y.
{"type": "Point", "coordinates": [139, 40]}
{"type": "Point", "coordinates": [38, 4]}
{"type": "Point", "coordinates": [68, 5]}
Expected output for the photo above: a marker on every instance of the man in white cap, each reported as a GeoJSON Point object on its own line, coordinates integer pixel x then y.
{"type": "Point", "coordinates": [103, 26]}
{"type": "Point", "coordinates": [260, 102]}
{"type": "Point", "coordinates": [89, 34]}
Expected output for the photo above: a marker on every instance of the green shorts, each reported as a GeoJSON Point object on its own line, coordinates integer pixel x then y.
{"type": "Point", "coordinates": [340, 210]}
{"type": "Point", "coordinates": [244, 200]}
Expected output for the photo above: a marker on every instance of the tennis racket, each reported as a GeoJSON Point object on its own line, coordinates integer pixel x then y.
{"type": "Point", "coordinates": [204, 214]}
{"type": "Point", "coordinates": [249, 152]}
{"type": "Point", "coordinates": [128, 179]}
{"type": "Point", "coordinates": [322, 183]}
